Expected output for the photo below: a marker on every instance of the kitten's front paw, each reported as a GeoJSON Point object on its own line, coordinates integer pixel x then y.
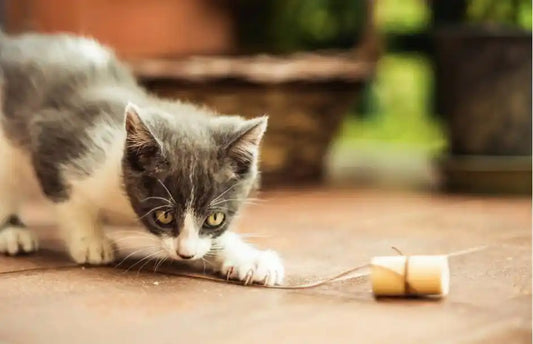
{"type": "Point", "coordinates": [263, 267]}
{"type": "Point", "coordinates": [16, 240]}
{"type": "Point", "coordinates": [92, 250]}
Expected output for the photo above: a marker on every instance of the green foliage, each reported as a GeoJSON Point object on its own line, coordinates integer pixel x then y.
{"type": "Point", "coordinates": [295, 25]}
{"type": "Point", "coordinates": [515, 13]}
{"type": "Point", "coordinates": [405, 16]}
{"type": "Point", "coordinates": [399, 106]}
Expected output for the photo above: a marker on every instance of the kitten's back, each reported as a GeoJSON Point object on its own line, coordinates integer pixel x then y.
{"type": "Point", "coordinates": [54, 71]}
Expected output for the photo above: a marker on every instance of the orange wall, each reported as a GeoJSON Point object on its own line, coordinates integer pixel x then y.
{"type": "Point", "coordinates": [135, 28]}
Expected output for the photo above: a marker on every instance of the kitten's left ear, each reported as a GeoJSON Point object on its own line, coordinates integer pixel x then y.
{"type": "Point", "coordinates": [142, 148]}
{"type": "Point", "coordinates": [243, 148]}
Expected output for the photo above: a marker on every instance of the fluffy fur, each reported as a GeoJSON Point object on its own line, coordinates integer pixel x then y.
{"type": "Point", "coordinates": [75, 123]}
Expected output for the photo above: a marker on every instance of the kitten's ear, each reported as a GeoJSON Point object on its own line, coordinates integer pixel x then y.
{"type": "Point", "coordinates": [243, 146]}
{"type": "Point", "coordinates": [142, 148]}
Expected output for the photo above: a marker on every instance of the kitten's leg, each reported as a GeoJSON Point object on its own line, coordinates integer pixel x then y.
{"type": "Point", "coordinates": [79, 221]}
{"type": "Point", "coordinates": [238, 260]}
{"type": "Point", "coordinates": [15, 238]}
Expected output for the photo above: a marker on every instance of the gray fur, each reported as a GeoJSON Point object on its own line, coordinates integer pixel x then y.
{"type": "Point", "coordinates": [55, 97]}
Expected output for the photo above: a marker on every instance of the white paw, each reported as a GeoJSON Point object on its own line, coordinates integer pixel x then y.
{"type": "Point", "coordinates": [92, 250]}
{"type": "Point", "coordinates": [16, 240]}
{"type": "Point", "coordinates": [264, 267]}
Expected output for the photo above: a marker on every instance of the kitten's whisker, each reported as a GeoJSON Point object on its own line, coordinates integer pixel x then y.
{"type": "Point", "coordinates": [145, 238]}
{"type": "Point", "coordinates": [132, 235]}
{"type": "Point", "coordinates": [161, 261]}
{"type": "Point", "coordinates": [129, 231]}
{"type": "Point", "coordinates": [128, 246]}
{"type": "Point", "coordinates": [216, 248]}
{"type": "Point", "coordinates": [149, 260]}
{"type": "Point", "coordinates": [213, 256]}
{"type": "Point", "coordinates": [131, 254]}
{"type": "Point", "coordinates": [225, 191]}
{"type": "Point", "coordinates": [166, 189]}
{"type": "Point", "coordinates": [125, 241]}
{"type": "Point", "coordinates": [153, 209]}
{"type": "Point", "coordinates": [203, 261]}
{"type": "Point", "coordinates": [138, 236]}
{"type": "Point", "coordinates": [158, 198]}
{"type": "Point", "coordinates": [253, 199]}
{"type": "Point", "coordinates": [143, 259]}
{"type": "Point", "coordinates": [243, 200]}
{"type": "Point", "coordinates": [213, 253]}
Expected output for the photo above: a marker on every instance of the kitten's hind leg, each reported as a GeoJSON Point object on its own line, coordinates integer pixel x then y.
{"type": "Point", "coordinates": [15, 238]}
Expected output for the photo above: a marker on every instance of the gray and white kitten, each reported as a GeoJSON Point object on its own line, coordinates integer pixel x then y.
{"type": "Point", "coordinates": [75, 123]}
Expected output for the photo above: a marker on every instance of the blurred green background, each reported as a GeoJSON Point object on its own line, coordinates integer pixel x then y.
{"type": "Point", "coordinates": [395, 123]}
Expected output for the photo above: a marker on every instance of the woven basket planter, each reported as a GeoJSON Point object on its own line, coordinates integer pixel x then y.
{"type": "Point", "coordinates": [304, 95]}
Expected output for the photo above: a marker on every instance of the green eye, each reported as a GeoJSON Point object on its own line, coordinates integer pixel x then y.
{"type": "Point", "coordinates": [163, 218]}
{"type": "Point", "coordinates": [215, 220]}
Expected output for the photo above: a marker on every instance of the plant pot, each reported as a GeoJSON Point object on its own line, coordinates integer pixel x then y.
{"type": "Point", "coordinates": [484, 94]}
{"type": "Point", "coordinates": [305, 96]}
{"type": "Point", "coordinates": [134, 28]}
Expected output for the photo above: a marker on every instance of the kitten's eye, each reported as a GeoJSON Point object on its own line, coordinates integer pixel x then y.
{"type": "Point", "coordinates": [215, 220]}
{"type": "Point", "coordinates": [163, 218]}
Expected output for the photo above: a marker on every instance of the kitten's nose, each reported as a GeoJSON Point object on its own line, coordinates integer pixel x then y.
{"type": "Point", "coordinates": [183, 256]}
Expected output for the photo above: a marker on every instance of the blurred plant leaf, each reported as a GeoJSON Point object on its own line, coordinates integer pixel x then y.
{"type": "Point", "coordinates": [516, 13]}
{"type": "Point", "coordinates": [292, 25]}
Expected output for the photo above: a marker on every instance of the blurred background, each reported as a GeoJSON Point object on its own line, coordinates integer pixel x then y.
{"type": "Point", "coordinates": [411, 94]}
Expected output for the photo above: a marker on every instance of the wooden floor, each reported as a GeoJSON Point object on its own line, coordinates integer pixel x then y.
{"type": "Point", "coordinates": [319, 233]}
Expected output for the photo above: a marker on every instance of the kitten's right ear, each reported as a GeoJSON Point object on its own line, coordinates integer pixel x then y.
{"type": "Point", "coordinates": [142, 148]}
{"type": "Point", "coordinates": [243, 146]}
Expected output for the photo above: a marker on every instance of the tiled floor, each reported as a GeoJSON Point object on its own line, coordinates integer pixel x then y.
{"type": "Point", "coordinates": [319, 233]}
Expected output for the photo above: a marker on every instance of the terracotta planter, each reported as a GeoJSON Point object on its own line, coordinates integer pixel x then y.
{"type": "Point", "coordinates": [134, 28]}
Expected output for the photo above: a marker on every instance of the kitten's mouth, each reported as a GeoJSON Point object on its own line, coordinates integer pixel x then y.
{"type": "Point", "coordinates": [186, 257]}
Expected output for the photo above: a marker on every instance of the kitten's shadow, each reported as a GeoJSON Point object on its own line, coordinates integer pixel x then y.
{"type": "Point", "coordinates": [44, 257]}
{"type": "Point", "coordinates": [141, 265]}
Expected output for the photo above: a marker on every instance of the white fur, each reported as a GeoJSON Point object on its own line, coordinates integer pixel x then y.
{"type": "Point", "coordinates": [14, 240]}
{"type": "Point", "coordinates": [99, 193]}
{"type": "Point", "coordinates": [188, 242]}
{"type": "Point", "coordinates": [16, 180]}
{"type": "Point", "coordinates": [237, 259]}
{"type": "Point", "coordinates": [103, 187]}
{"type": "Point", "coordinates": [92, 51]}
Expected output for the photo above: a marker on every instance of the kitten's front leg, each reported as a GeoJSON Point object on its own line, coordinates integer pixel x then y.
{"type": "Point", "coordinates": [239, 260]}
{"type": "Point", "coordinates": [83, 233]}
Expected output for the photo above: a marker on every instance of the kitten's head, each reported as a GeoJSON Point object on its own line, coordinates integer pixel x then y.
{"type": "Point", "coordinates": [187, 177]}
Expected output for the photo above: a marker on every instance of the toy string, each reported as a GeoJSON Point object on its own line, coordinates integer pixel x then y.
{"type": "Point", "coordinates": [318, 283]}
{"type": "Point", "coordinates": [309, 285]}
